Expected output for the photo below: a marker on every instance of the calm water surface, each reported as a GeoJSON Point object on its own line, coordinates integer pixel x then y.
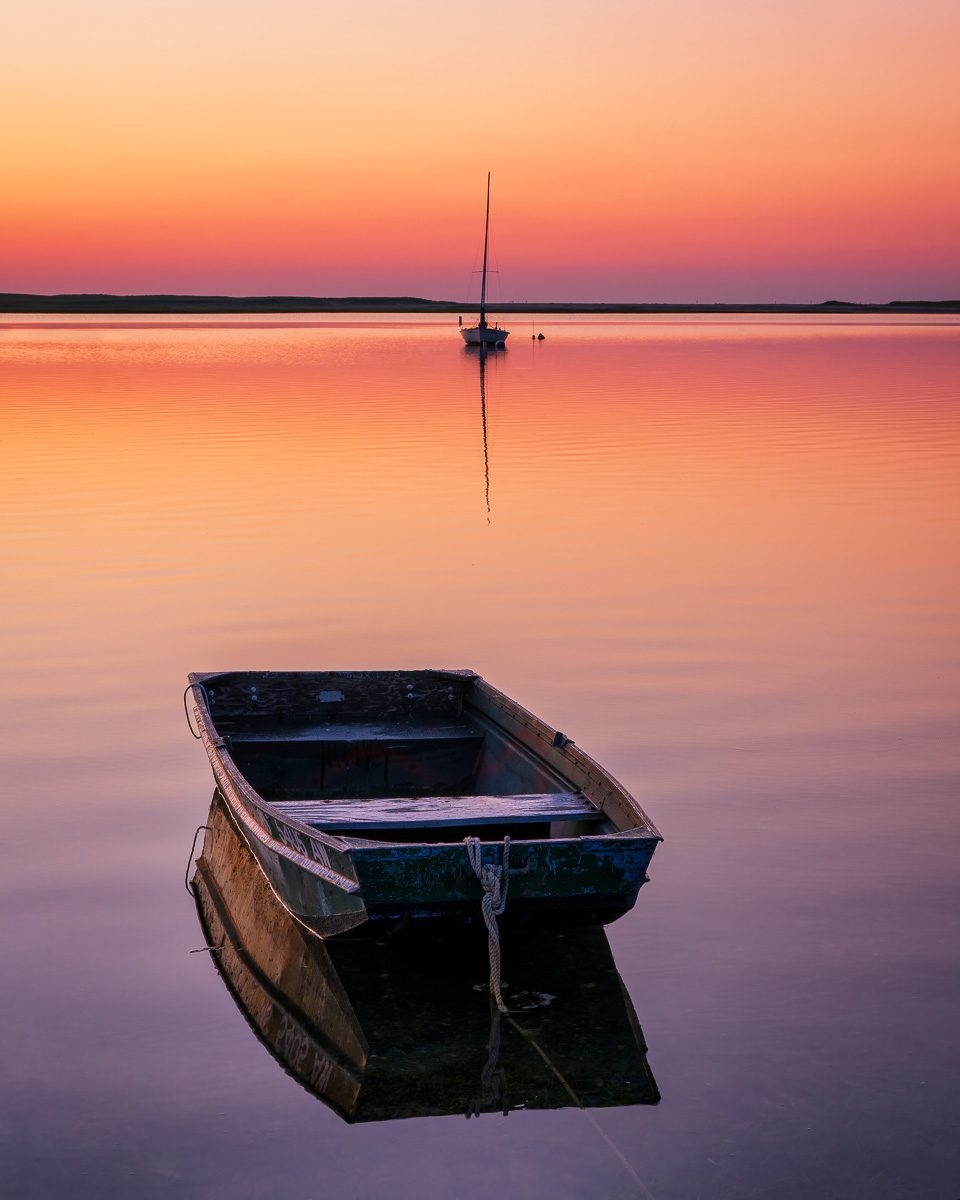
{"type": "Point", "coordinates": [723, 556]}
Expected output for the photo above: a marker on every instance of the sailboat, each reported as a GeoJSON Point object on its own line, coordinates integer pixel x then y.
{"type": "Point", "coordinates": [481, 334]}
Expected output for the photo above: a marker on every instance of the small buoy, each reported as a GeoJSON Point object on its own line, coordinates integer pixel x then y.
{"type": "Point", "coordinates": [540, 337]}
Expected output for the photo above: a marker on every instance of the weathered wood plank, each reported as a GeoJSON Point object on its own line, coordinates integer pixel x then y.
{"type": "Point", "coordinates": [430, 811]}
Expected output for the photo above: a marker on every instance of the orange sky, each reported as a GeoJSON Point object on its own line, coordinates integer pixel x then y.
{"type": "Point", "coordinates": [685, 151]}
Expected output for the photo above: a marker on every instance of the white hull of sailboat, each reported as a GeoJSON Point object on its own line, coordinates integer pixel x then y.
{"type": "Point", "coordinates": [483, 335]}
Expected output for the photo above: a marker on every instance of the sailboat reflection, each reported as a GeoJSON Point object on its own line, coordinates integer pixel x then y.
{"type": "Point", "coordinates": [481, 352]}
{"type": "Point", "coordinates": [379, 1031]}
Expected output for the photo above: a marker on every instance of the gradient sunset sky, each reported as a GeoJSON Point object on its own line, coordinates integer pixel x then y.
{"type": "Point", "coordinates": [684, 151]}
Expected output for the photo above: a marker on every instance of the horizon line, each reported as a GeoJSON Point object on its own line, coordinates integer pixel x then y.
{"type": "Point", "coordinates": [37, 302]}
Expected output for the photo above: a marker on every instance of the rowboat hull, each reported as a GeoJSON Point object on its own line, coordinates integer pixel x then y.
{"type": "Point", "coordinates": [336, 880]}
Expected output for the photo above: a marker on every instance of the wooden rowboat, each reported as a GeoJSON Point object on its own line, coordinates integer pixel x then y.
{"type": "Point", "coordinates": [358, 791]}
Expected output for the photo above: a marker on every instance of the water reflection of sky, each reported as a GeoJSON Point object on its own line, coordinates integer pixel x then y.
{"type": "Point", "coordinates": [722, 557]}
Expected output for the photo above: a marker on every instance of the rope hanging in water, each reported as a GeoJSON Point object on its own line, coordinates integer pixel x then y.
{"type": "Point", "coordinates": [494, 881]}
{"type": "Point", "coordinates": [492, 1077]}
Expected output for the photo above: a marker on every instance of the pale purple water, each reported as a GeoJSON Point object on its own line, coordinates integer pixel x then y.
{"type": "Point", "coordinates": [723, 556]}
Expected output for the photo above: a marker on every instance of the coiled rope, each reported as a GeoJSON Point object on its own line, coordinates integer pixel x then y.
{"type": "Point", "coordinates": [494, 881]}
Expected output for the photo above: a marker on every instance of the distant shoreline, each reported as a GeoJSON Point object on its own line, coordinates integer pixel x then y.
{"type": "Point", "coordinates": [22, 302]}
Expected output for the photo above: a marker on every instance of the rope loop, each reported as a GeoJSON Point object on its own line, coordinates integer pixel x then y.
{"type": "Point", "coordinates": [494, 880]}
{"type": "Point", "coordinates": [186, 711]}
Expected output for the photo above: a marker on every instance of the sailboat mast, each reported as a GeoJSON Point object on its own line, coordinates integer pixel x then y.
{"type": "Point", "coordinates": [483, 278]}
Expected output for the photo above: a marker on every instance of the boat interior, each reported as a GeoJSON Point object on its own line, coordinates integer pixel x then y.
{"type": "Point", "coordinates": [390, 756]}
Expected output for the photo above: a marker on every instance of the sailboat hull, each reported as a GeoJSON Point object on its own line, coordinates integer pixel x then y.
{"type": "Point", "coordinates": [483, 335]}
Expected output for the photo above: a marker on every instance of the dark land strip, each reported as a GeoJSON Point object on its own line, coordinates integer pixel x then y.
{"type": "Point", "coordinates": [22, 302]}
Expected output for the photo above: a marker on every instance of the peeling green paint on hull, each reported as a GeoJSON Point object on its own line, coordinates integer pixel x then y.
{"type": "Point", "coordinates": [584, 873]}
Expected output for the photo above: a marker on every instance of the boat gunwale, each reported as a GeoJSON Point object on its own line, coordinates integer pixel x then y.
{"type": "Point", "coordinates": [595, 776]}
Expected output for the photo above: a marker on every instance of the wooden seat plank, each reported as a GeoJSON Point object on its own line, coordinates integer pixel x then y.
{"type": "Point", "coordinates": [431, 811]}
{"type": "Point", "coordinates": [366, 731]}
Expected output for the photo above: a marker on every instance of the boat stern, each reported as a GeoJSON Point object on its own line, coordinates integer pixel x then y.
{"type": "Point", "coordinates": [582, 880]}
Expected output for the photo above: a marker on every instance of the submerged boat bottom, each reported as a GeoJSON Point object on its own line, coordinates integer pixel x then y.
{"type": "Point", "coordinates": [402, 1025]}
{"type": "Point", "coordinates": [525, 914]}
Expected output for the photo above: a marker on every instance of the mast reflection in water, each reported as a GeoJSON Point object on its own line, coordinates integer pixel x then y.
{"type": "Point", "coordinates": [406, 1028]}
{"type": "Point", "coordinates": [481, 353]}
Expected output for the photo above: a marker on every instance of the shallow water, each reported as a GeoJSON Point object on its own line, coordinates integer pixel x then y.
{"type": "Point", "coordinates": [722, 555]}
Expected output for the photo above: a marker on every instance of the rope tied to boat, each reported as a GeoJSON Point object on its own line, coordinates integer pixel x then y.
{"type": "Point", "coordinates": [494, 880]}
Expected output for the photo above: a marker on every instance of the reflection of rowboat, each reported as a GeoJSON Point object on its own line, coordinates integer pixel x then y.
{"type": "Point", "coordinates": [481, 334]}
{"type": "Point", "coordinates": [357, 790]}
{"type": "Point", "coordinates": [380, 1032]}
